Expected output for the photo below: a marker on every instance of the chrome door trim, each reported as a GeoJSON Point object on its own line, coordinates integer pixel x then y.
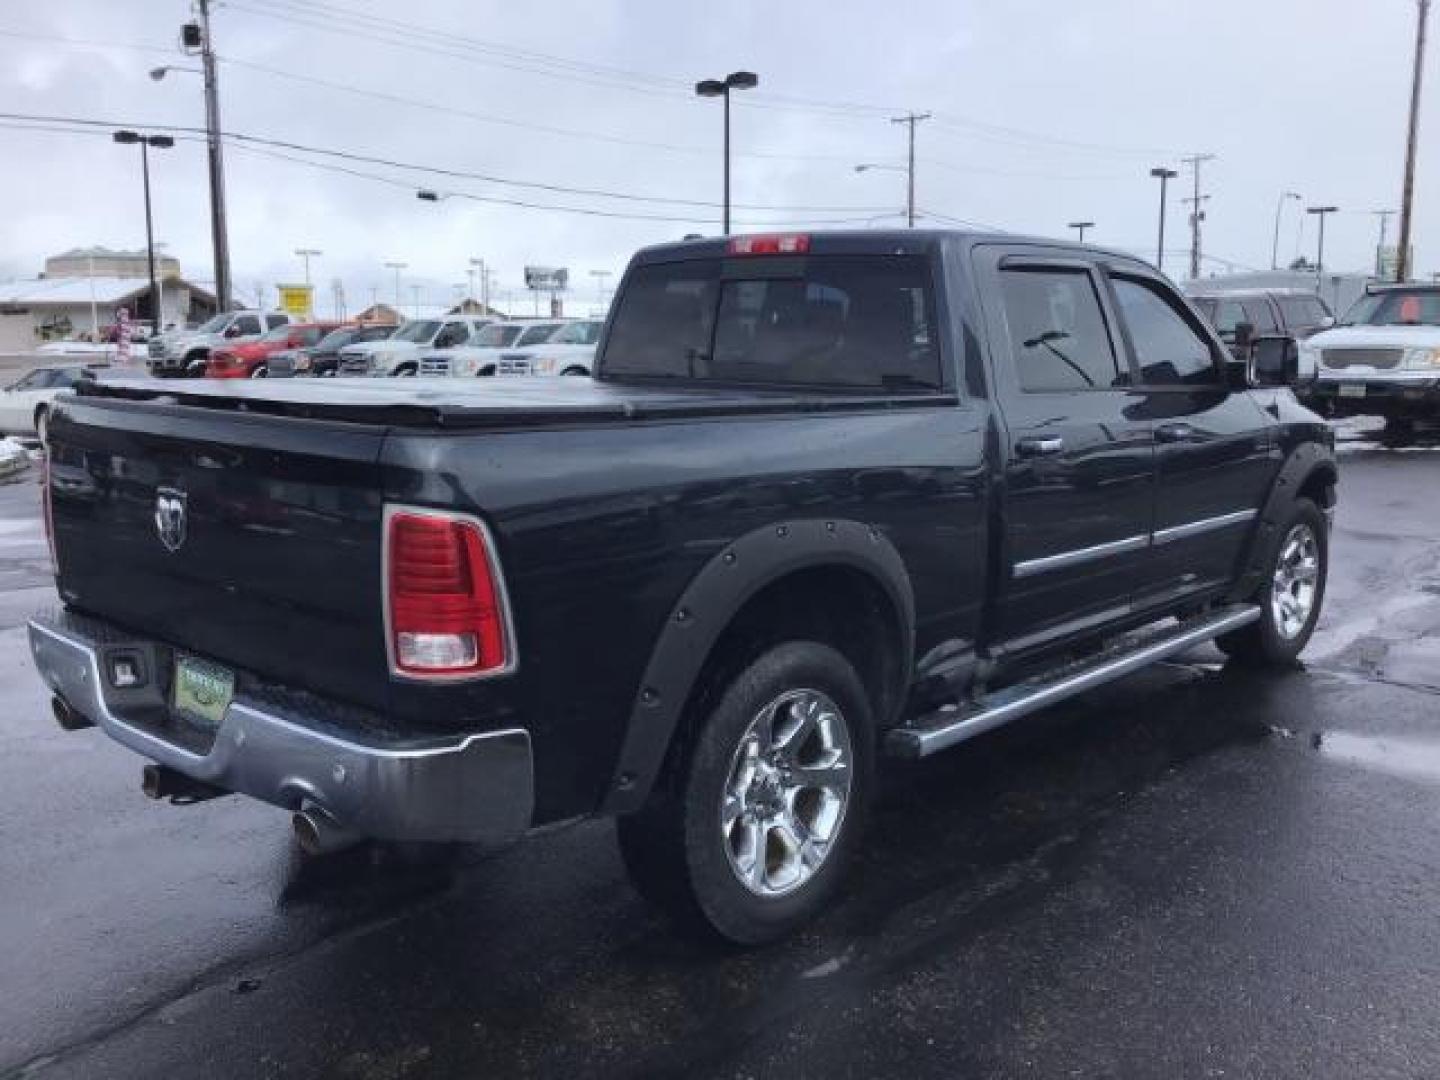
{"type": "Point", "coordinates": [1031, 567]}
{"type": "Point", "coordinates": [1204, 525]}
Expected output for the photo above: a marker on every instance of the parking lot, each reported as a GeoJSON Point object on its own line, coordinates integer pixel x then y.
{"type": "Point", "coordinates": [1198, 871]}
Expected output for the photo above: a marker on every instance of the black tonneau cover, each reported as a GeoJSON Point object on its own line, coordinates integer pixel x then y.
{"type": "Point", "coordinates": [485, 403]}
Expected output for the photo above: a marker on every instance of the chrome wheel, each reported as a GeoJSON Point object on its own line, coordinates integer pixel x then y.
{"type": "Point", "coordinates": [1297, 576]}
{"type": "Point", "coordinates": [789, 783]}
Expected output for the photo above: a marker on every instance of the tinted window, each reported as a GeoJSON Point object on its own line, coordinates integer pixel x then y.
{"type": "Point", "coordinates": [1259, 314]}
{"type": "Point", "coordinates": [247, 325]}
{"type": "Point", "coordinates": [310, 335]}
{"type": "Point", "coordinates": [1057, 331]}
{"type": "Point", "coordinates": [1169, 350]}
{"type": "Point", "coordinates": [276, 320]}
{"type": "Point", "coordinates": [453, 334]}
{"type": "Point", "coordinates": [827, 320]}
{"type": "Point", "coordinates": [537, 333]}
{"type": "Point", "coordinates": [34, 381]}
{"type": "Point", "coordinates": [1227, 315]}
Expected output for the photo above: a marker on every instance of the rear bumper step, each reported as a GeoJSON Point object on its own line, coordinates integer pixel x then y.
{"type": "Point", "coordinates": [471, 787]}
{"type": "Point", "coordinates": [953, 724]}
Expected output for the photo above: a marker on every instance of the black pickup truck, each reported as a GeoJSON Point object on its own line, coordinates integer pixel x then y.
{"type": "Point", "coordinates": [829, 497]}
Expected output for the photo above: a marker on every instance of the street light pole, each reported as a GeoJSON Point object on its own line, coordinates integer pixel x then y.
{"type": "Point", "coordinates": [484, 283]}
{"type": "Point", "coordinates": [1407, 192]}
{"type": "Point", "coordinates": [736, 80]}
{"type": "Point", "coordinates": [1321, 212]}
{"type": "Point", "coordinates": [600, 276]}
{"type": "Point", "coordinates": [1080, 227]}
{"type": "Point", "coordinates": [160, 142]}
{"type": "Point", "coordinates": [1275, 243]}
{"type": "Point", "coordinates": [1164, 175]}
{"type": "Point", "coordinates": [1384, 216]}
{"type": "Point", "coordinates": [305, 255]}
{"type": "Point", "coordinates": [397, 267]}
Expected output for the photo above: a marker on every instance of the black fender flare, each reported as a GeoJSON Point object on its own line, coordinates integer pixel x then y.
{"type": "Point", "coordinates": [1304, 462]}
{"type": "Point", "coordinates": [707, 607]}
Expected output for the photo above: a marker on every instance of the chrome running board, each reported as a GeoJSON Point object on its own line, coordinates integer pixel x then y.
{"type": "Point", "coordinates": [953, 724]}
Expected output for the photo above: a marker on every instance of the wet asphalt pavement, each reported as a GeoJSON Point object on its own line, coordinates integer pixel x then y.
{"type": "Point", "coordinates": [1197, 872]}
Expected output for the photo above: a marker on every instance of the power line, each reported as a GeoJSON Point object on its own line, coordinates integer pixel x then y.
{"type": "Point", "coordinates": [234, 137]}
{"type": "Point", "coordinates": [60, 39]}
{"type": "Point", "coordinates": [524, 125]}
{"type": "Point", "coordinates": [584, 211]}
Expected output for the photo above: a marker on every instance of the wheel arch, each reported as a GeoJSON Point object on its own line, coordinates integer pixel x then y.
{"type": "Point", "coordinates": [1309, 472]}
{"type": "Point", "coordinates": [753, 577]}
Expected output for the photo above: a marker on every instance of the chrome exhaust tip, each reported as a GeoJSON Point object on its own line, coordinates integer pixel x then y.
{"type": "Point", "coordinates": [318, 833]}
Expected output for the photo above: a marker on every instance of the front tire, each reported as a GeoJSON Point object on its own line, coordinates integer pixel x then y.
{"type": "Point", "coordinates": [751, 834]}
{"type": "Point", "coordinates": [1290, 595]}
{"type": "Point", "coordinates": [42, 423]}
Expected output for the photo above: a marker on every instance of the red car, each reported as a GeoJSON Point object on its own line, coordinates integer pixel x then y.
{"type": "Point", "coordinates": [246, 360]}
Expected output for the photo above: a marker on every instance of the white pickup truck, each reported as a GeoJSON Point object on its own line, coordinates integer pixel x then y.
{"type": "Point", "coordinates": [1382, 359]}
{"type": "Point", "coordinates": [400, 353]}
{"type": "Point", "coordinates": [481, 356]}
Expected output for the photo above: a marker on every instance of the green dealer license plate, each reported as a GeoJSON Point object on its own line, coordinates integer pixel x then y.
{"type": "Point", "coordinates": [202, 691]}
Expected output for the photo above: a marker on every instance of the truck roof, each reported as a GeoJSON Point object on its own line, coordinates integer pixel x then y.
{"type": "Point", "coordinates": [865, 242]}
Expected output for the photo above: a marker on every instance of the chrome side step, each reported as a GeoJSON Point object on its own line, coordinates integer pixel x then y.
{"type": "Point", "coordinates": [952, 724]}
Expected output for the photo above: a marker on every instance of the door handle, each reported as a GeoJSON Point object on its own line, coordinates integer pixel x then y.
{"type": "Point", "coordinates": [1174, 432]}
{"type": "Point", "coordinates": [1039, 445]}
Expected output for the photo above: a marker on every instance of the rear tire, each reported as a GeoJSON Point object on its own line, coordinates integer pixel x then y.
{"type": "Point", "coordinates": [1290, 595]}
{"type": "Point", "coordinates": [261, 372]}
{"type": "Point", "coordinates": [575, 371]}
{"type": "Point", "coordinates": [750, 833]}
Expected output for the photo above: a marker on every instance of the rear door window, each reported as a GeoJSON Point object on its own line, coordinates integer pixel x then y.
{"type": "Point", "coordinates": [1058, 337]}
{"type": "Point", "coordinates": [247, 325]}
{"type": "Point", "coordinates": [858, 321]}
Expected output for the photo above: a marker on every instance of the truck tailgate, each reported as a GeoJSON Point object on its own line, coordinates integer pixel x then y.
{"type": "Point", "coordinates": [276, 566]}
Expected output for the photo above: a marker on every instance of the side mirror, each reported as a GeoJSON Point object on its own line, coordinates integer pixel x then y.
{"type": "Point", "coordinates": [1274, 360]}
{"type": "Point", "coordinates": [1244, 335]}
{"type": "Point", "coordinates": [232, 331]}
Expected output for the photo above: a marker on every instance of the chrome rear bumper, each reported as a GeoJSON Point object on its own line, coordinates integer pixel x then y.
{"type": "Point", "coordinates": [470, 787]}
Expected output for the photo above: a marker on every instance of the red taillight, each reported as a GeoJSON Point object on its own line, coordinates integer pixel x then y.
{"type": "Point", "coordinates": [770, 244]}
{"type": "Point", "coordinates": [447, 606]}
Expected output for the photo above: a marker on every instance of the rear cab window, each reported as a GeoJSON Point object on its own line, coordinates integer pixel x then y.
{"type": "Point", "coordinates": [819, 320]}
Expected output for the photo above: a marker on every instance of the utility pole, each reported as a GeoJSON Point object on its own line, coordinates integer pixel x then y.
{"type": "Point", "coordinates": [1080, 227]}
{"type": "Point", "coordinates": [1164, 175]}
{"type": "Point", "coordinates": [1407, 192]}
{"type": "Point", "coordinates": [218, 231]}
{"type": "Point", "coordinates": [910, 120]}
{"type": "Point", "coordinates": [306, 254]}
{"type": "Point", "coordinates": [1197, 215]}
{"type": "Point", "coordinates": [1384, 216]}
{"type": "Point", "coordinates": [415, 290]}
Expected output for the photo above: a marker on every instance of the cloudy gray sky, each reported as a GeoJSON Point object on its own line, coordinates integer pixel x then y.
{"type": "Point", "coordinates": [1045, 111]}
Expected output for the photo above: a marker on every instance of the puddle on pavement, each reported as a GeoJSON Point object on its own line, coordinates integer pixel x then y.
{"type": "Point", "coordinates": [1414, 759]}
